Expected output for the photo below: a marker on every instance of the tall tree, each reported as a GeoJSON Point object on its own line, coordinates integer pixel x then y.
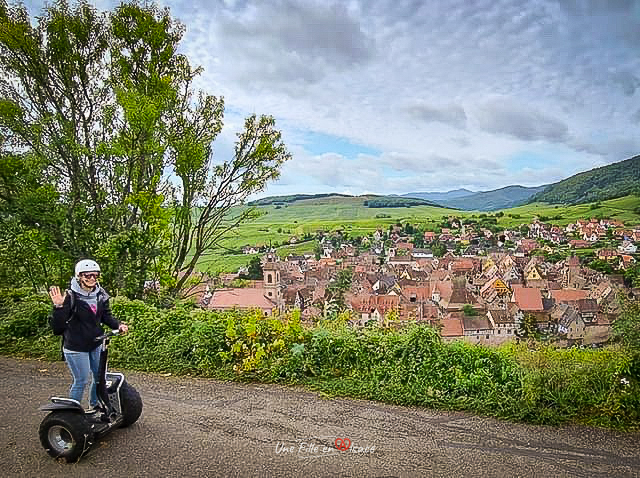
{"type": "Point", "coordinates": [338, 286]}
{"type": "Point", "coordinates": [100, 107]}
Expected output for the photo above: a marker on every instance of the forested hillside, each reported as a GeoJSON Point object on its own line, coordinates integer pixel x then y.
{"type": "Point", "coordinates": [292, 198]}
{"type": "Point", "coordinates": [391, 201]}
{"type": "Point", "coordinates": [599, 184]}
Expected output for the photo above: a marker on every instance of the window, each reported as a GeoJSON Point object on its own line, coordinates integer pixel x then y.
{"type": "Point", "coordinates": [269, 278]}
{"type": "Point", "coordinates": [270, 293]}
{"type": "Point", "coordinates": [487, 337]}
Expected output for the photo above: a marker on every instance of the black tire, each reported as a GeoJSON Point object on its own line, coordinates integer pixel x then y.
{"type": "Point", "coordinates": [66, 435]}
{"type": "Point", "coordinates": [131, 404]}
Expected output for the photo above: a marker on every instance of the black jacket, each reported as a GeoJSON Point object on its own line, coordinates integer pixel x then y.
{"type": "Point", "coordinates": [83, 328]}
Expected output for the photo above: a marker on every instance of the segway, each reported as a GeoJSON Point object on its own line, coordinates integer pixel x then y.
{"type": "Point", "coordinates": [69, 431]}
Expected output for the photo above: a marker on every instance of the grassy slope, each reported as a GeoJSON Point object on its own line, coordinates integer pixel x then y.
{"type": "Point", "coordinates": [333, 213]}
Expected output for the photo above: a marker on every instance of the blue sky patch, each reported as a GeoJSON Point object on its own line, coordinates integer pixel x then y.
{"type": "Point", "coordinates": [528, 160]}
{"type": "Point", "coordinates": [320, 143]}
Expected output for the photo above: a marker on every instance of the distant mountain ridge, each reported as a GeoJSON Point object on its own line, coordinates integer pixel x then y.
{"type": "Point", "coordinates": [503, 198]}
{"type": "Point", "coordinates": [440, 196]}
{"type": "Point", "coordinates": [598, 184]}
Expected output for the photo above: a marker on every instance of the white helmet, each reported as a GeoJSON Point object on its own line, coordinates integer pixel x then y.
{"type": "Point", "coordinates": [86, 265]}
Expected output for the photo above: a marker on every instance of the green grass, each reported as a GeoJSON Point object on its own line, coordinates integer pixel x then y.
{"type": "Point", "coordinates": [350, 215]}
{"type": "Point", "coordinates": [621, 209]}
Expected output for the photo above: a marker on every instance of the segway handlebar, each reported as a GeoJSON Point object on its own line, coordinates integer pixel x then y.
{"type": "Point", "coordinates": [111, 333]}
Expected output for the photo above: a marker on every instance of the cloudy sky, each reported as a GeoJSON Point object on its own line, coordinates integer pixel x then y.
{"type": "Point", "coordinates": [395, 96]}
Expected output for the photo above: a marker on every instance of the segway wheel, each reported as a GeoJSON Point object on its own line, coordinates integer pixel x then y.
{"type": "Point", "coordinates": [66, 435]}
{"type": "Point", "coordinates": [131, 404]}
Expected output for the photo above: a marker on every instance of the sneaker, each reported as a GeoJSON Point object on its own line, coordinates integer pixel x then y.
{"type": "Point", "coordinates": [92, 409]}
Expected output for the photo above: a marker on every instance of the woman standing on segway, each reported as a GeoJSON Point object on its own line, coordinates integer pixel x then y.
{"type": "Point", "coordinates": [82, 325]}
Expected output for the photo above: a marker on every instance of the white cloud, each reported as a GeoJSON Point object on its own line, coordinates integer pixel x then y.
{"type": "Point", "coordinates": [501, 115]}
{"type": "Point", "coordinates": [449, 114]}
{"type": "Point", "coordinates": [448, 91]}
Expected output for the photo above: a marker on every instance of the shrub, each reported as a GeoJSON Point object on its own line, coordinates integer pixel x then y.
{"type": "Point", "coordinates": [409, 366]}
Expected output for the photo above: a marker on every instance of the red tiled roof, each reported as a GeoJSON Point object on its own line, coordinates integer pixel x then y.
{"type": "Point", "coordinates": [462, 264]}
{"type": "Point", "coordinates": [240, 298]}
{"type": "Point", "coordinates": [439, 275]}
{"type": "Point", "coordinates": [368, 302]}
{"type": "Point", "coordinates": [569, 295]}
{"type": "Point", "coordinates": [528, 298]}
{"type": "Point", "coordinates": [476, 323]}
{"type": "Point", "coordinates": [421, 293]}
{"type": "Point", "coordinates": [444, 287]}
{"type": "Point", "coordinates": [451, 328]}
{"type": "Point", "coordinates": [430, 311]}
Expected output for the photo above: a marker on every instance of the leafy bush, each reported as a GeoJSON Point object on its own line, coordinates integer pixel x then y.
{"type": "Point", "coordinates": [23, 314]}
{"type": "Point", "coordinates": [598, 387]}
{"type": "Point", "coordinates": [410, 366]}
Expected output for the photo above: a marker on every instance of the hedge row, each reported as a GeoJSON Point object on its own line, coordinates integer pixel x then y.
{"type": "Point", "coordinates": [411, 366]}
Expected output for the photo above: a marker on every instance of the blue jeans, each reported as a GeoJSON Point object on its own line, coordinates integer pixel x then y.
{"type": "Point", "coordinates": [82, 365]}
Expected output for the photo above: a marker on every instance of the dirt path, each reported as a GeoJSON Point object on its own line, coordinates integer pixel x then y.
{"type": "Point", "coordinates": [199, 427]}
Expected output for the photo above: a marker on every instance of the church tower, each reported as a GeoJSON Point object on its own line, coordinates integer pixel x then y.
{"type": "Point", "coordinates": [271, 280]}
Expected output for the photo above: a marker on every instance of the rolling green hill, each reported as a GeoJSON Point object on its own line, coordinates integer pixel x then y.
{"type": "Point", "coordinates": [599, 184]}
{"type": "Point", "coordinates": [279, 200]}
{"type": "Point", "coordinates": [278, 224]}
{"type": "Point", "coordinates": [371, 200]}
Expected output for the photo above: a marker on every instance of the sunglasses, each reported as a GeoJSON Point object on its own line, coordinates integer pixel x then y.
{"type": "Point", "coordinates": [91, 275]}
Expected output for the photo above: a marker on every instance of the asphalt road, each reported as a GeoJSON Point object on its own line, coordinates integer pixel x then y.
{"type": "Point", "coordinates": [199, 427]}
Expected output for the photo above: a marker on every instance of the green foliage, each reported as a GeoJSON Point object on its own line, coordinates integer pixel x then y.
{"type": "Point", "coordinates": [99, 107]}
{"type": "Point", "coordinates": [632, 276]}
{"type": "Point", "coordinates": [527, 328]}
{"type": "Point", "coordinates": [391, 201]}
{"type": "Point", "coordinates": [292, 198]}
{"type": "Point", "coordinates": [599, 184]}
{"type": "Point", "coordinates": [469, 310]}
{"type": "Point", "coordinates": [418, 240]}
{"type": "Point", "coordinates": [601, 266]}
{"type": "Point", "coordinates": [409, 366]}
{"type": "Point", "coordinates": [334, 293]}
{"type": "Point", "coordinates": [556, 256]}
{"type": "Point", "coordinates": [626, 328]}
{"type": "Point", "coordinates": [254, 269]}
{"type": "Point", "coordinates": [598, 387]}
{"type": "Point", "coordinates": [438, 248]}
{"type": "Point", "coordinates": [28, 313]}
